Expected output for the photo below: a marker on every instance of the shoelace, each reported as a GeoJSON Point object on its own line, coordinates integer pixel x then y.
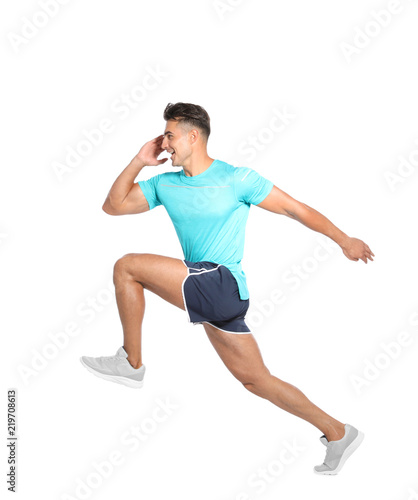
{"type": "Point", "coordinates": [109, 358]}
{"type": "Point", "coordinates": [329, 446]}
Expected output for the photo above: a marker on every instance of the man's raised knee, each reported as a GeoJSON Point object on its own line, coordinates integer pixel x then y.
{"type": "Point", "coordinates": [123, 265]}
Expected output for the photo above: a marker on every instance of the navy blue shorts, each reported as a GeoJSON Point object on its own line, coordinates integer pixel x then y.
{"type": "Point", "coordinates": [211, 295]}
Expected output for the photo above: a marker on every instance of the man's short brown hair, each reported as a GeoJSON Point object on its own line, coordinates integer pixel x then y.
{"type": "Point", "coordinates": [189, 114]}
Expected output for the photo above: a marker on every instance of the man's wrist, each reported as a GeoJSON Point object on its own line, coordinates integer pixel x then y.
{"type": "Point", "coordinates": [342, 239]}
{"type": "Point", "coordinates": [138, 162]}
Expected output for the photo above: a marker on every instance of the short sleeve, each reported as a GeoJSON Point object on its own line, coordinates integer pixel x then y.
{"type": "Point", "coordinates": [149, 188]}
{"type": "Point", "coordinates": [250, 186]}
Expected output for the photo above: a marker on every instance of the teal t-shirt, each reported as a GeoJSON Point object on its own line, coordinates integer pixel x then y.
{"type": "Point", "coordinates": [209, 211]}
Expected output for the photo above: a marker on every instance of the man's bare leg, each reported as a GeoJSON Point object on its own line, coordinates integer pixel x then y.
{"type": "Point", "coordinates": [132, 274]}
{"type": "Point", "coordinates": [241, 355]}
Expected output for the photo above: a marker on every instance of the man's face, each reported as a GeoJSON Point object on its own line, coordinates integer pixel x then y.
{"type": "Point", "coordinates": [176, 141]}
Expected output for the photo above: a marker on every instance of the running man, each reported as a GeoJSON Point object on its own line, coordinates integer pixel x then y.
{"type": "Point", "coordinates": [208, 201]}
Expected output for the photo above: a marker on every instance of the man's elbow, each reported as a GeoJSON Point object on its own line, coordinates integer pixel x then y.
{"type": "Point", "coordinates": [290, 215]}
{"type": "Point", "coordinates": [109, 208]}
{"type": "Point", "coordinates": [298, 211]}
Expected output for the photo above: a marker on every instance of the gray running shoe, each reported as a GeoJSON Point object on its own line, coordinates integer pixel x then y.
{"type": "Point", "coordinates": [116, 369]}
{"type": "Point", "coordinates": [339, 451]}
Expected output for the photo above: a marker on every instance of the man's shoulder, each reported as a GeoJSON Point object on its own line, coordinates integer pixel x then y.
{"type": "Point", "coordinates": [238, 173]}
{"type": "Point", "coordinates": [229, 167]}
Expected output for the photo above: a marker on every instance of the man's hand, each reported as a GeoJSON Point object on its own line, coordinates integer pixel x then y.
{"type": "Point", "coordinates": [125, 196]}
{"type": "Point", "coordinates": [355, 249]}
{"type": "Point", "coordinates": [150, 151]}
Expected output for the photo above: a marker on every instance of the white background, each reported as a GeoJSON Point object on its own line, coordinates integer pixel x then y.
{"type": "Point", "coordinates": [354, 117]}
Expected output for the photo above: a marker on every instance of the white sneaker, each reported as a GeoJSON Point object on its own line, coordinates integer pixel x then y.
{"type": "Point", "coordinates": [116, 369]}
{"type": "Point", "coordinates": [339, 451]}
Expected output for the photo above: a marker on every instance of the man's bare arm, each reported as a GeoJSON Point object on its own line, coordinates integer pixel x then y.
{"type": "Point", "coordinates": [279, 202]}
{"type": "Point", "coordinates": [125, 196]}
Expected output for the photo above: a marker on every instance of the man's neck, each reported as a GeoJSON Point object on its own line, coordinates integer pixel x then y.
{"type": "Point", "coordinates": [197, 165]}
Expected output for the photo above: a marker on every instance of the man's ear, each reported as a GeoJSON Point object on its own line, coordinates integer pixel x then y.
{"type": "Point", "coordinates": [193, 135]}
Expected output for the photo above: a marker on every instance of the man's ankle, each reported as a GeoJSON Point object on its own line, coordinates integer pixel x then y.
{"type": "Point", "coordinates": [335, 432]}
{"type": "Point", "coordinates": [134, 363]}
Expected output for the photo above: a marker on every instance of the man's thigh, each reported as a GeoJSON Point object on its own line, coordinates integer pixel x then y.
{"type": "Point", "coordinates": [160, 274]}
{"type": "Point", "coordinates": [239, 352]}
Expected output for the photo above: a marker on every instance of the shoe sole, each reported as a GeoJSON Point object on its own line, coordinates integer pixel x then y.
{"type": "Point", "coordinates": [135, 384]}
{"type": "Point", "coordinates": [346, 455]}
